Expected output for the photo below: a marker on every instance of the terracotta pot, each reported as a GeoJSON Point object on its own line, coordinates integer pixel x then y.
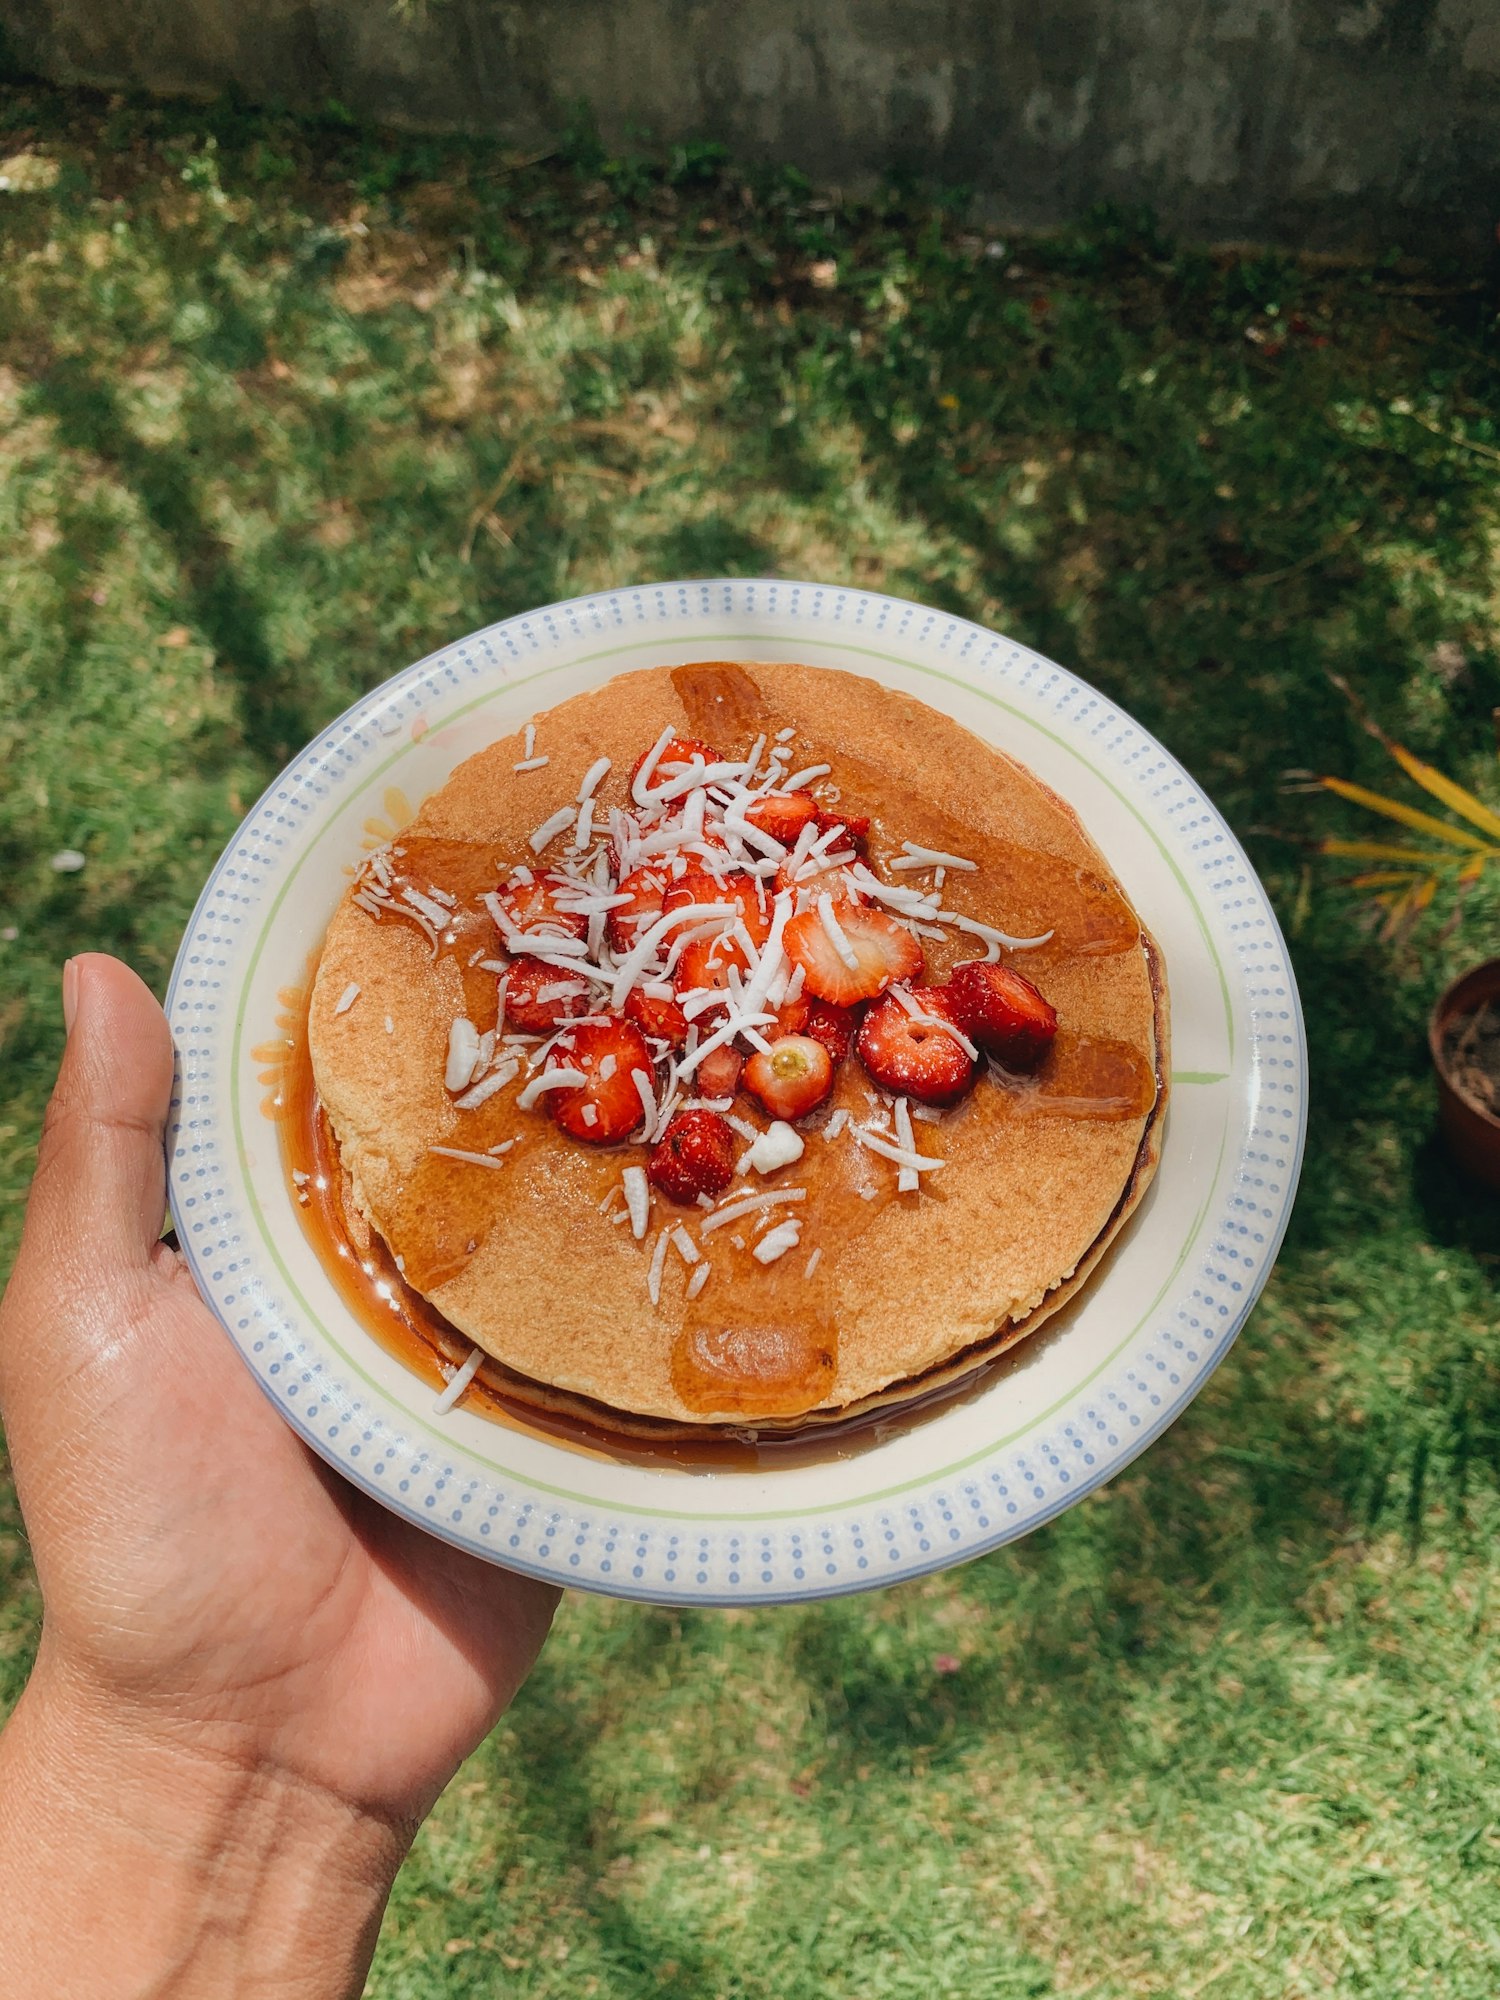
{"type": "Point", "coordinates": [1472, 1131]}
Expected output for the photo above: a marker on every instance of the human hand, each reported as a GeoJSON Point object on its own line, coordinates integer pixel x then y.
{"type": "Point", "coordinates": [220, 1610]}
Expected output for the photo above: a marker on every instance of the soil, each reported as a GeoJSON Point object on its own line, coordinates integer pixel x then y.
{"type": "Point", "coordinates": [1471, 1055]}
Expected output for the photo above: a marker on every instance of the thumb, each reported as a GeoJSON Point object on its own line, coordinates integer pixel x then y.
{"type": "Point", "coordinates": [99, 1195]}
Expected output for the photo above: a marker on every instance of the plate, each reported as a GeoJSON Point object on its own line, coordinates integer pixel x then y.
{"type": "Point", "coordinates": [1060, 1416]}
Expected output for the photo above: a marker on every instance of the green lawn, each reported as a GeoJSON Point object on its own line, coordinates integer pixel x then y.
{"type": "Point", "coordinates": [283, 407]}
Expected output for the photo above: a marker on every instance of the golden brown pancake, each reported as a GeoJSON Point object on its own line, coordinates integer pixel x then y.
{"type": "Point", "coordinates": [909, 1290]}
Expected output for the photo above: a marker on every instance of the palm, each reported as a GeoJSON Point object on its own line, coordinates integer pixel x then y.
{"type": "Point", "coordinates": [196, 1560]}
{"type": "Point", "coordinates": [221, 1567]}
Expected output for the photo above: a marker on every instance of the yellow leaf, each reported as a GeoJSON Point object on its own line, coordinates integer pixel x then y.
{"type": "Point", "coordinates": [1379, 850]}
{"type": "Point", "coordinates": [1473, 868]}
{"type": "Point", "coordinates": [1381, 878]}
{"type": "Point", "coordinates": [1419, 822]}
{"type": "Point", "coordinates": [1453, 796]}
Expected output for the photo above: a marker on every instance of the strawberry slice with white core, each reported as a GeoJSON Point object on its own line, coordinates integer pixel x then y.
{"type": "Point", "coordinates": [529, 901]}
{"type": "Point", "coordinates": [859, 955]}
{"type": "Point", "coordinates": [914, 1057]}
{"type": "Point", "coordinates": [697, 885]}
{"type": "Point", "coordinates": [706, 966]}
{"type": "Point", "coordinates": [658, 1019]}
{"type": "Point", "coordinates": [539, 997]}
{"type": "Point", "coordinates": [818, 874]}
{"type": "Point", "coordinates": [647, 889]}
{"type": "Point", "coordinates": [782, 815]}
{"type": "Point", "coordinates": [754, 902]}
{"type": "Point", "coordinates": [609, 1055]}
{"type": "Point", "coordinates": [790, 1078]}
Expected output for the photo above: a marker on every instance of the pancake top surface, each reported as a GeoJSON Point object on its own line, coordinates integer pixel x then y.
{"type": "Point", "coordinates": [527, 1259]}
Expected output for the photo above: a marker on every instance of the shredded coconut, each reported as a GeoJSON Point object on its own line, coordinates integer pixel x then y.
{"type": "Point", "coordinates": [914, 856]}
{"type": "Point", "coordinates": [551, 827]}
{"type": "Point", "coordinates": [637, 1199]}
{"type": "Point", "coordinates": [458, 1381]}
{"type": "Point", "coordinates": [658, 1264]}
{"type": "Point", "coordinates": [593, 777]}
{"type": "Point", "coordinates": [837, 936]}
{"type": "Point", "coordinates": [750, 1204]}
{"type": "Point", "coordinates": [463, 1054]}
{"type": "Point", "coordinates": [776, 1242]}
{"type": "Point", "coordinates": [483, 1091]}
{"type": "Point", "coordinates": [549, 1079]}
{"type": "Point", "coordinates": [686, 1248]}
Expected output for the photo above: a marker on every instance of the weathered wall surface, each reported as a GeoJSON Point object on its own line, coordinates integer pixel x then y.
{"type": "Point", "coordinates": [1314, 123]}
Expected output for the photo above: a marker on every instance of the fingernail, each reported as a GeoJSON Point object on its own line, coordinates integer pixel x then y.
{"type": "Point", "coordinates": [69, 994]}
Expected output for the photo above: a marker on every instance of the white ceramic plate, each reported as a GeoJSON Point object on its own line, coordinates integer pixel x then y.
{"type": "Point", "coordinates": [1065, 1413]}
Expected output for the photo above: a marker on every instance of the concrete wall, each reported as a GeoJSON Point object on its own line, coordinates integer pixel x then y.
{"type": "Point", "coordinates": [1328, 124]}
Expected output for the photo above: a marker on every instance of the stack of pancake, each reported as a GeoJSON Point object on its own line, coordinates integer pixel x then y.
{"type": "Point", "coordinates": [911, 1289]}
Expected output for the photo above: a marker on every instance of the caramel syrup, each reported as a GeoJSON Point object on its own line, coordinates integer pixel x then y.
{"type": "Point", "coordinates": [777, 1359]}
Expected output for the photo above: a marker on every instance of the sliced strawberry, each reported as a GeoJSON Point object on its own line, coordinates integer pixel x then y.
{"type": "Point", "coordinates": [816, 879]}
{"type": "Point", "coordinates": [1003, 1012]}
{"type": "Point", "coordinates": [790, 1078]}
{"type": "Point", "coordinates": [695, 1155]}
{"type": "Point", "coordinates": [646, 888]}
{"type": "Point", "coordinates": [697, 885]}
{"type": "Point", "coordinates": [782, 815]}
{"type": "Point", "coordinates": [532, 906]}
{"type": "Point", "coordinates": [856, 827]}
{"type": "Point", "coordinates": [675, 759]}
{"type": "Point", "coordinates": [718, 1075]}
{"type": "Point", "coordinates": [915, 1058]}
{"type": "Point", "coordinates": [832, 1026]}
{"type": "Point", "coordinates": [609, 1053]}
{"type": "Point", "coordinates": [883, 951]}
{"type": "Point", "coordinates": [706, 962]}
{"type": "Point", "coordinates": [539, 998]}
{"type": "Point", "coordinates": [791, 1019]}
{"type": "Point", "coordinates": [658, 1020]}
{"type": "Point", "coordinates": [755, 905]}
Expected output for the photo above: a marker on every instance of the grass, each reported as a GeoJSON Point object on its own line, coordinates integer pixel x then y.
{"type": "Point", "coordinates": [284, 406]}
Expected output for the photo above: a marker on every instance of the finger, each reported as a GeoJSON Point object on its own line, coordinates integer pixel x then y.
{"type": "Point", "coordinates": [100, 1189]}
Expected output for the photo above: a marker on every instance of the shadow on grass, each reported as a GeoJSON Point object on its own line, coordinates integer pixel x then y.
{"type": "Point", "coordinates": [563, 1811]}
{"type": "Point", "coordinates": [166, 481]}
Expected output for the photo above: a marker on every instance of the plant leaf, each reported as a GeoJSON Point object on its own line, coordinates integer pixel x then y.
{"type": "Point", "coordinates": [1452, 795]}
{"type": "Point", "coordinates": [1382, 850]}
{"type": "Point", "coordinates": [1382, 878]}
{"type": "Point", "coordinates": [1419, 822]}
